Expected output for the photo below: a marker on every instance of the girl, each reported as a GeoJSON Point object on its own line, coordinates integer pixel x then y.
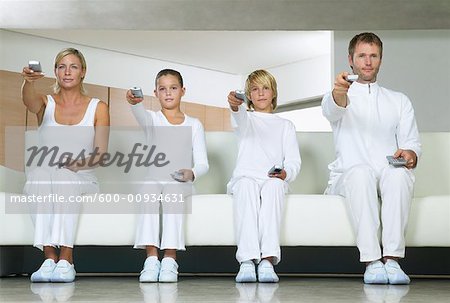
{"type": "Point", "coordinates": [72, 122]}
{"type": "Point", "coordinates": [264, 140]}
{"type": "Point", "coordinates": [168, 89]}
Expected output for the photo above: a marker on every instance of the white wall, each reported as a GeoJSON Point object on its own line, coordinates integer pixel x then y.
{"type": "Point", "coordinates": [304, 79]}
{"type": "Point", "coordinates": [415, 62]}
{"type": "Point", "coordinates": [115, 69]}
{"type": "Point", "coordinates": [307, 119]}
{"type": "Point", "coordinates": [297, 80]}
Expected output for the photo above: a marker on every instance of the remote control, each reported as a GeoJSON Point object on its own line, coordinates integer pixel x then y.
{"type": "Point", "coordinates": [240, 94]}
{"type": "Point", "coordinates": [137, 92]}
{"type": "Point", "coordinates": [178, 176]}
{"type": "Point", "coordinates": [276, 169]}
{"type": "Point", "coordinates": [352, 78]}
{"type": "Point", "coordinates": [35, 66]}
{"type": "Point", "coordinates": [396, 161]}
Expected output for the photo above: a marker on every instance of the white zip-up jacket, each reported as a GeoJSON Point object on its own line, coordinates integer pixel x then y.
{"type": "Point", "coordinates": [376, 122]}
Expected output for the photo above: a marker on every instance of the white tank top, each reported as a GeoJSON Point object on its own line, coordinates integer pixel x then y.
{"type": "Point", "coordinates": [75, 139]}
{"type": "Point", "coordinates": [87, 120]}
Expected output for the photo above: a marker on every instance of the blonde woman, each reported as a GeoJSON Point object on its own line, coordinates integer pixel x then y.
{"type": "Point", "coordinates": [73, 123]}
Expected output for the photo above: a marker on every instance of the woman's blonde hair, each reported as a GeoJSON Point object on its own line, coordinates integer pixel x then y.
{"type": "Point", "coordinates": [58, 58]}
{"type": "Point", "coordinates": [261, 77]}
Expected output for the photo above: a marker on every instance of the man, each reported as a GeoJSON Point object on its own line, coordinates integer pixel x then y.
{"type": "Point", "coordinates": [370, 122]}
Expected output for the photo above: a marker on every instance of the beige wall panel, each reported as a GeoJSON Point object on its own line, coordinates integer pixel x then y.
{"type": "Point", "coordinates": [196, 110]}
{"type": "Point", "coordinates": [213, 118]}
{"type": "Point", "coordinates": [120, 109]}
{"type": "Point", "coordinates": [12, 113]}
{"type": "Point", "coordinates": [97, 91]}
{"type": "Point", "coordinates": [12, 108]}
{"type": "Point", "coordinates": [226, 119]}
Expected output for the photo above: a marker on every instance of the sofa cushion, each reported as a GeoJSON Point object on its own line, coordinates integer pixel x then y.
{"type": "Point", "coordinates": [309, 220]}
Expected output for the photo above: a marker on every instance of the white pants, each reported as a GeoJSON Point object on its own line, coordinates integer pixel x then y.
{"type": "Point", "coordinates": [258, 208]}
{"type": "Point", "coordinates": [55, 224]}
{"type": "Point", "coordinates": [168, 234]}
{"type": "Point", "coordinates": [361, 186]}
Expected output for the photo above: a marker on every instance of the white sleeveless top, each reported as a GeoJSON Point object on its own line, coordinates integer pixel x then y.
{"type": "Point", "coordinates": [77, 139]}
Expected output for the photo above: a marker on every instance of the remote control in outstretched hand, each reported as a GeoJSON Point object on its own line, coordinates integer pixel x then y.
{"type": "Point", "coordinates": [352, 78]}
{"type": "Point", "coordinates": [35, 66]}
{"type": "Point", "coordinates": [137, 92]}
{"type": "Point", "coordinates": [240, 94]}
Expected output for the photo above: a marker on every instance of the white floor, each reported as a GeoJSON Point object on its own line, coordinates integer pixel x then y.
{"type": "Point", "coordinates": [222, 289]}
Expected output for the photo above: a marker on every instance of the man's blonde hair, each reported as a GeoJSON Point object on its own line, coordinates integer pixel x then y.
{"type": "Point", "coordinates": [261, 77]}
{"type": "Point", "coordinates": [58, 58]}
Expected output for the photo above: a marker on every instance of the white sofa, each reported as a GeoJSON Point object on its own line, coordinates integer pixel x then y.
{"type": "Point", "coordinates": [311, 219]}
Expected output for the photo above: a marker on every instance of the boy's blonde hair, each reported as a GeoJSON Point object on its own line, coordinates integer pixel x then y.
{"type": "Point", "coordinates": [58, 58]}
{"type": "Point", "coordinates": [261, 77]}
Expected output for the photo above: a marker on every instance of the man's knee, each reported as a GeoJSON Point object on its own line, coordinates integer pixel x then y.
{"type": "Point", "coordinates": [245, 184]}
{"type": "Point", "coordinates": [398, 174]}
{"type": "Point", "coordinates": [361, 174]}
{"type": "Point", "coordinates": [398, 177]}
{"type": "Point", "coordinates": [273, 185]}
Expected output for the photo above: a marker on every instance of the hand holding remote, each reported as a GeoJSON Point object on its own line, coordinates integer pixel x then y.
{"type": "Point", "coordinates": [277, 172]}
{"type": "Point", "coordinates": [340, 89]}
{"type": "Point", "coordinates": [408, 155]}
{"type": "Point", "coordinates": [183, 175]}
{"type": "Point", "coordinates": [234, 101]}
{"type": "Point", "coordinates": [33, 71]}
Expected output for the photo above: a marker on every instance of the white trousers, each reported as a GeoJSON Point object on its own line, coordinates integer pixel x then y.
{"type": "Point", "coordinates": [361, 186]}
{"type": "Point", "coordinates": [258, 208]}
{"type": "Point", "coordinates": [160, 223]}
{"type": "Point", "coordinates": [55, 223]}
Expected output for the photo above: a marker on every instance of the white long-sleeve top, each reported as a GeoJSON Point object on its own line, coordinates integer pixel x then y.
{"type": "Point", "coordinates": [147, 119]}
{"type": "Point", "coordinates": [376, 122]}
{"type": "Point", "coordinates": [264, 140]}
